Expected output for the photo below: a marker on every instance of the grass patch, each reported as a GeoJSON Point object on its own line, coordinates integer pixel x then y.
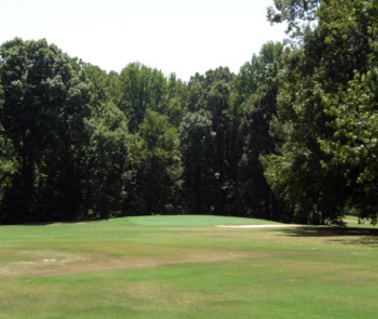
{"type": "Point", "coordinates": [184, 267]}
{"type": "Point", "coordinates": [354, 221]}
{"type": "Point", "coordinates": [194, 220]}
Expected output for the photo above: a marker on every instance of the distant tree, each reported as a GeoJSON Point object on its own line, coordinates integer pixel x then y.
{"type": "Point", "coordinates": [217, 103]}
{"type": "Point", "coordinates": [140, 88]}
{"type": "Point", "coordinates": [195, 92]}
{"type": "Point", "coordinates": [154, 174]}
{"type": "Point", "coordinates": [106, 151]}
{"type": "Point", "coordinates": [211, 163]}
{"type": "Point", "coordinates": [9, 164]}
{"type": "Point", "coordinates": [176, 100]}
{"type": "Point", "coordinates": [255, 91]}
{"type": "Point", "coordinates": [197, 136]}
{"type": "Point", "coordinates": [298, 14]}
{"type": "Point", "coordinates": [8, 167]}
{"type": "Point", "coordinates": [106, 159]}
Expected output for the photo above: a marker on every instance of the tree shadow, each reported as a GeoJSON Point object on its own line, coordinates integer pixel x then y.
{"type": "Point", "coordinates": [368, 236]}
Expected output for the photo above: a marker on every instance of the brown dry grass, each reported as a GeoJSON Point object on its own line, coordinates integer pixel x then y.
{"type": "Point", "coordinates": [55, 262]}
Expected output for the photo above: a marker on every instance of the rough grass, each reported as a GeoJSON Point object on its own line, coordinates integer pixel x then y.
{"type": "Point", "coordinates": [186, 267]}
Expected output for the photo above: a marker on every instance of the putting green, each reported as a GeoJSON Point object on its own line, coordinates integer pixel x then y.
{"type": "Point", "coordinates": [194, 220]}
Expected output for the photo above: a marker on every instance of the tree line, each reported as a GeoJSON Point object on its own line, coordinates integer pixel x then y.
{"type": "Point", "coordinates": [292, 137]}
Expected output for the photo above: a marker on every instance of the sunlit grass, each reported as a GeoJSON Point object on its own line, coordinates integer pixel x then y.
{"type": "Point", "coordinates": [186, 267]}
{"type": "Point", "coordinates": [353, 221]}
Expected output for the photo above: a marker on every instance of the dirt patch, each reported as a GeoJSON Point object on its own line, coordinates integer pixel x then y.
{"type": "Point", "coordinates": [38, 261]}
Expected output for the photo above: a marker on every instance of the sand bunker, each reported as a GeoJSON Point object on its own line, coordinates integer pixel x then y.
{"type": "Point", "coordinates": [260, 226]}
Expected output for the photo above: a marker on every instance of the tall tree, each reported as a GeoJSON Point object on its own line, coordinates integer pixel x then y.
{"type": "Point", "coordinates": [298, 14]}
{"type": "Point", "coordinates": [352, 31]}
{"type": "Point", "coordinates": [106, 151]}
{"type": "Point", "coordinates": [332, 53]}
{"type": "Point", "coordinates": [217, 103]}
{"type": "Point", "coordinates": [45, 102]}
{"type": "Point", "coordinates": [197, 136]}
{"type": "Point", "coordinates": [140, 87]}
{"type": "Point", "coordinates": [214, 165]}
{"type": "Point", "coordinates": [255, 91]}
{"type": "Point", "coordinates": [8, 161]}
{"type": "Point", "coordinates": [176, 100]}
{"type": "Point", "coordinates": [154, 174]}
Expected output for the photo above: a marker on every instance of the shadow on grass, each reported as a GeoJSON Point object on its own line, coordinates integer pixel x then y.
{"type": "Point", "coordinates": [340, 234]}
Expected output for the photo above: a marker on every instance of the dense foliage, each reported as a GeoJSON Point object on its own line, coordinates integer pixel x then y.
{"type": "Point", "coordinates": [292, 137]}
{"type": "Point", "coordinates": [325, 123]}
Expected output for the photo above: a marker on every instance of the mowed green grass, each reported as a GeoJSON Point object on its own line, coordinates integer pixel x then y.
{"type": "Point", "coordinates": [186, 267]}
{"type": "Point", "coordinates": [353, 221]}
